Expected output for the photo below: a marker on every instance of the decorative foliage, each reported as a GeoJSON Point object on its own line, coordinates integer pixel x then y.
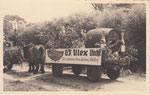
{"type": "Point", "coordinates": [13, 56]}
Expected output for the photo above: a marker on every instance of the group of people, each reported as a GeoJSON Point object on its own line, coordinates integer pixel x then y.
{"type": "Point", "coordinates": [77, 42]}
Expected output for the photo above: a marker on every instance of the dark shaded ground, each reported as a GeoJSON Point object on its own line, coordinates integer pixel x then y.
{"type": "Point", "coordinates": [18, 79]}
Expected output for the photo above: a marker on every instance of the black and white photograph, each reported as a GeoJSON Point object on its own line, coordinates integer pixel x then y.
{"type": "Point", "coordinates": [74, 45]}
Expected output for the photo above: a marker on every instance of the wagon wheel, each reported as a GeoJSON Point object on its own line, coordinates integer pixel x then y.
{"type": "Point", "coordinates": [57, 70]}
{"type": "Point", "coordinates": [113, 73]}
{"type": "Point", "coordinates": [94, 73]}
{"type": "Point", "coordinates": [76, 69]}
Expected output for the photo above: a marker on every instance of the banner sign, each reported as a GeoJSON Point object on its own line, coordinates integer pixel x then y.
{"type": "Point", "coordinates": [84, 56]}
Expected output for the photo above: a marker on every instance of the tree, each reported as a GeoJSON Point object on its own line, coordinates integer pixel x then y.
{"type": "Point", "coordinates": [7, 22]}
{"type": "Point", "coordinates": [135, 27]}
{"type": "Point", "coordinates": [129, 17]}
{"type": "Point", "coordinates": [9, 33]}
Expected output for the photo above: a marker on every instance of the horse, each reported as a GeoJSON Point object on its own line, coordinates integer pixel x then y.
{"type": "Point", "coordinates": [35, 55]}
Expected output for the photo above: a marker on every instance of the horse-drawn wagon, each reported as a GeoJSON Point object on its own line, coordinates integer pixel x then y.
{"type": "Point", "coordinates": [104, 48]}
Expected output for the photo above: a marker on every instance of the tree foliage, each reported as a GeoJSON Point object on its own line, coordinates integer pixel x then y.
{"type": "Point", "coordinates": [128, 17]}
{"type": "Point", "coordinates": [9, 33]}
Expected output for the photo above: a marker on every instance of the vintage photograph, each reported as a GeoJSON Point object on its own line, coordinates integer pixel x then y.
{"type": "Point", "coordinates": [73, 45]}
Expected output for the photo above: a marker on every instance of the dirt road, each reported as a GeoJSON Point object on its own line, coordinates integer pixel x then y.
{"type": "Point", "coordinates": [18, 79]}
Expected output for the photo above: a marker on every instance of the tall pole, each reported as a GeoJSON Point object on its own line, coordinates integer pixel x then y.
{"type": "Point", "coordinates": [14, 27]}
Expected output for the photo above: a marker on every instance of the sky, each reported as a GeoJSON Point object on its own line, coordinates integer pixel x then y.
{"type": "Point", "coordinates": [43, 10]}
